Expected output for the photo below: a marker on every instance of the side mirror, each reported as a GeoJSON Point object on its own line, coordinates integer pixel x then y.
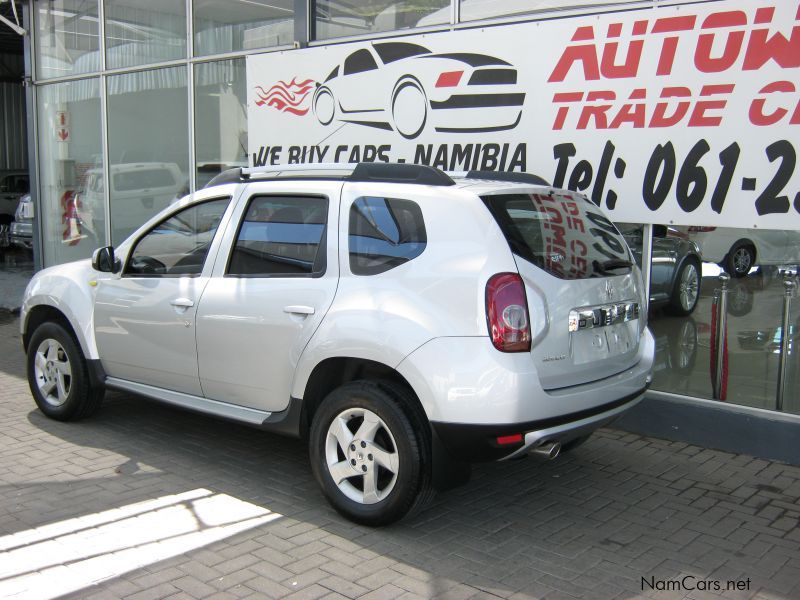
{"type": "Point", "coordinates": [103, 260]}
{"type": "Point", "coordinates": [659, 231]}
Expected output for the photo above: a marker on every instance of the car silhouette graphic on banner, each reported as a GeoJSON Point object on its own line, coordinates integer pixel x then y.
{"type": "Point", "coordinates": [402, 87]}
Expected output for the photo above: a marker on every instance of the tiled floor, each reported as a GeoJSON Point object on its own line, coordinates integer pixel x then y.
{"type": "Point", "coordinates": [146, 501]}
{"type": "Point", "coordinates": [755, 306]}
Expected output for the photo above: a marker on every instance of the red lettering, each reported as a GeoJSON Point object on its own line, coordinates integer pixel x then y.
{"type": "Point", "coordinates": [561, 114]}
{"type": "Point", "coordinates": [670, 44]}
{"type": "Point", "coordinates": [598, 113]}
{"type": "Point", "coordinates": [633, 112]}
{"type": "Point", "coordinates": [760, 49]}
{"type": "Point", "coordinates": [660, 118]}
{"type": "Point", "coordinates": [699, 117]}
{"type": "Point", "coordinates": [584, 53]}
{"type": "Point", "coordinates": [757, 115]}
{"type": "Point", "coordinates": [629, 68]}
{"type": "Point", "coordinates": [733, 45]}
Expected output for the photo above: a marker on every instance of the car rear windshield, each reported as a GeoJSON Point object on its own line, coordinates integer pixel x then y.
{"type": "Point", "coordinates": [565, 235]}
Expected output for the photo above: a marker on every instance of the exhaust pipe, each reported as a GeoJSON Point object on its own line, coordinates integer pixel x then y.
{"type": "Point", "coordinates": [547, 451]}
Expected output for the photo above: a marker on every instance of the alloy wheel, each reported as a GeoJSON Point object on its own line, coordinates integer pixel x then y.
{"type": "Point", "coordinates": [361, 455]}
{"type": "Point", "coordinates": [742, 260]}
{"type": "Point", "coordinates": [689, 287]}
{"type": "Point", "coordinates": [53, 372]}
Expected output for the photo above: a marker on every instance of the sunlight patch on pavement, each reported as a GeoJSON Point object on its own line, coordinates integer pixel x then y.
{"type": "Point", "coordinates": [70, 555]}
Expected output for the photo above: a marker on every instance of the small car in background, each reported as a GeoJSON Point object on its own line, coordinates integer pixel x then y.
{"type": "Point", "coordinates": [739, 250]}
{"type": "Point", "coordinates": [143, 188]}
{"type": "Point", "coordinates": [22, 227]}
{"type": "Point", "coordinates": [675, 273]}
{"type": "Point", "coordinates": [13, 185]}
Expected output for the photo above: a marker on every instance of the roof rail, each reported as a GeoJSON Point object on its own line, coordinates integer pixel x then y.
{"type": "Point", "coordinates": [513, 177]}
{"type": "Point", "coordinates": [400, 173]}
{"type": "Point", "coordinates": [363, 172]}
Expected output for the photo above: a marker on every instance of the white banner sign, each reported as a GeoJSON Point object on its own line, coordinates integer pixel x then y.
{"type": "Point", "coordinates": [684, 115]}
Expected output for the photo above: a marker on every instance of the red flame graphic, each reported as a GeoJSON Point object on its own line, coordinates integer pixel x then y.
{"type": "Point", "coordinates": [286, 97]}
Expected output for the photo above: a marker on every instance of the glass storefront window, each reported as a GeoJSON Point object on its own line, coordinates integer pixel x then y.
{"type": "Point", "coordinates": [338, 19]}
{"type": "Point", "coordinates": [67, 37]}
{"type": "Point", "coordinates": [70, 153]}
{"type": "Point", "coordinates": [755, 261]}
{"type": "Point", "coordinates": [472, 10]}
{"type": "Point", "coordinates": [140, 32]}
{"type": "Point", "coordinates": [229, 25]}
{"type": "Point", "coordinates": [148, 141]}
{"type": "Point", "coordinates": [220, 98]}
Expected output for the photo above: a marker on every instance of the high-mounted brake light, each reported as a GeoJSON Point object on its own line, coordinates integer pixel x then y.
{"type": "Point", "coordinates": [449, 79]}
{"type": "Point", "coordinates": [507, 313]}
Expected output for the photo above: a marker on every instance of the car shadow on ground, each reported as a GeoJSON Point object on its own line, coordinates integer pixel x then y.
{"type": "Point", "coordinates": [590, 524]}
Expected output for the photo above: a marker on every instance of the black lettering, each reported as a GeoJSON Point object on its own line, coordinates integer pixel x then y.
{"type": "Point", "coordinates": [422, 154]}
{"type": "Point", "coordinates": [519, 159]}
{"type": "Point", "coordinates": [562, 153]}
{"type": "Point", "coordinates": [460, 157]}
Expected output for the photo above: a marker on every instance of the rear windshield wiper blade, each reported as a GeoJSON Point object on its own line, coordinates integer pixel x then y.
{"type": "Point", "coordinates": [610, 265]}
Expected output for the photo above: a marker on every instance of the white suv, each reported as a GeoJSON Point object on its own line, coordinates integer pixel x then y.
{"type": "Point", "coordinates": [406, 321]}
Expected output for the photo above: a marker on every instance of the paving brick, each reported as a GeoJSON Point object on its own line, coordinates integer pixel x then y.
{"type": "Point", "coordinates": [588, 525]}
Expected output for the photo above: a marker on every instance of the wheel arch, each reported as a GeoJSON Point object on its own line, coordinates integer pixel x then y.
{"type": "Point", "coordinates": [45, 313]}
{"type": "Point", "coordinates": [446, 471]}
{"type": "Point", "coordinates": [334, 372]}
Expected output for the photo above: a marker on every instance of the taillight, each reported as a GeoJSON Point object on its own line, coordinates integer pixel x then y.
{"type": "Point", "coordinates": [449, 79]}
{"type": "Point", "coordinates": [698, 229]}
{"type": "Point", "coordinates": [507, 313]}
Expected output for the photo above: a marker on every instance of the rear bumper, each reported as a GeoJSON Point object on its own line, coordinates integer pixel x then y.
{"type": "Point", "coordinates": [477, 443]}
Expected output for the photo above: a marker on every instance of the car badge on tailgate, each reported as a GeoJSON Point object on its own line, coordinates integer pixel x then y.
{"type": "Point", "coordinates": [602, 316]}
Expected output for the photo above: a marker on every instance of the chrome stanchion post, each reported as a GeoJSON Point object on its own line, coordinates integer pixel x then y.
{"type": "Point", "coordinates": [788, 292]}
{"type": "Point", "coordinates": [722, 331]}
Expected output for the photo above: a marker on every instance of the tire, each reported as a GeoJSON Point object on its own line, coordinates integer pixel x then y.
{"type": "Point", "coordinates": [323, 113]}
{"type": "Point", "coordinates": [740, 299]}
{"type": "Point", "coordinates": [58, 375]}
{"type": "Point", "coordinates": [686, 289]}
{"type": "Point", "coordinates": [740, 259]}
{"type": "Point", "coordinates": [408, 97]}
{"type": "Point", "coordinates": [401, 478]}
{"type": "Point", "coordinates": [683, 346]}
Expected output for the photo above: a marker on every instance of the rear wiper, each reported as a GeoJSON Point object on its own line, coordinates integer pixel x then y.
{"type": "Point", "coordinates": [610, 265]}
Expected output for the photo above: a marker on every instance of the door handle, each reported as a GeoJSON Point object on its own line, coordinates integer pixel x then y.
{"type": "Point", "coordinates": [182, 303]}
{"type": "Point", "coordinates": [299, 310]}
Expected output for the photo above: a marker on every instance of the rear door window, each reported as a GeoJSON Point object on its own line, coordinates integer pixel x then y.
{"type": "Point", "coordinates": [565, 235]}
{"type": "Point", "coordinates": [384, 233]}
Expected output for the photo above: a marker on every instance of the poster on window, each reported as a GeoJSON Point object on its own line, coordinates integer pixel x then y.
{"type": "Point", "coordinates": [684, 114]}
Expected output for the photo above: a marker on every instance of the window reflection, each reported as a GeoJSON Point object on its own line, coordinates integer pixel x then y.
{"type": "Point", "coordinates": [220, 98]}
{"type": "Point", "coordinates": [67, 37]}
{"type": "Point", "coordinates": [338, 19]}
{"type": "Point", "coordinates": [144, 31]}
{"type": "Point", "coordinates": [70, 162]}
{"type": "Point", "coordinates": [148, 147]}
{"type": "Point", "coordinates": [472, 10]}
{"type": "Point", "coordinates": [229, 25]}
